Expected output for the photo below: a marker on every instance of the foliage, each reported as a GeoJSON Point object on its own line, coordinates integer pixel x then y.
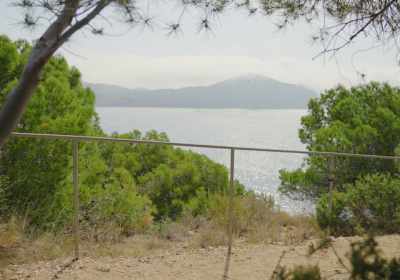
{"type": "Point", "coordinates": [360, 259]}
{"type": "Point", "coordinates": [250, 211]}
{"type": "Point", "coordinates": [368, 264]}
{"type": "Point", "coordinates": [124, 182]}
{"type": "Point", "coordinates": [366, 16]}
{"type": "Point", "coordinates": [371, 205]}
{"type": "Point", "coordinates": [362, 120]}
{"type": "Point", "coordinates": [256, 220]}
{"type": "Point", "coordinates": [173, 179]}
{"type": "Point", "coordinates": [13, 56]}
{"type": "Point", "coordinates": [35, 169]}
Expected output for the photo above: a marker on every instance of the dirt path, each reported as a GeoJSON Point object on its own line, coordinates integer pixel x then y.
{"type": "Point", "coordinates": [246, 262]}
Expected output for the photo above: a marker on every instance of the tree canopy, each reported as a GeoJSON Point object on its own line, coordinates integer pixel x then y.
{"type": "Point", "coordinates": [60, 106]}
{"type": "Point", "coordinates": [362, 120]}
{"type": "Point", "coordinates": [349, 19]}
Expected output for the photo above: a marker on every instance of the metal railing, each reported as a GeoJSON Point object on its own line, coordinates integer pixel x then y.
{"type": "Point", "coordinates": [75, 167]}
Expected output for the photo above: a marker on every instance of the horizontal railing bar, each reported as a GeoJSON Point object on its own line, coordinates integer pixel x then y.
{"type": "Point", "coordinates": [104, 139]}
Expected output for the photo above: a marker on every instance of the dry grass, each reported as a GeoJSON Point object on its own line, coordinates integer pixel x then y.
{"type": "Point", "coordinates": [21, 244]}
{"type": "Point", "coordinates": [209, 234]}
{"type": "Point", "coordinates": [256, 220]}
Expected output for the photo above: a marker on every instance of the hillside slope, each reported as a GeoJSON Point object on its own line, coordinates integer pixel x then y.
{"type": "Point", "coordinates": [247, 92]}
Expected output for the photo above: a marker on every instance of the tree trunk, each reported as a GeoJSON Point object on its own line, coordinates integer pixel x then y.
{"type": "Point", "coordinates": [17, 100]}
{"type": "Point", "coordinates": [56, 34]}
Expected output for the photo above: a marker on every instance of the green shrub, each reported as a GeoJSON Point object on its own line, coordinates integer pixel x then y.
{"type": "Point", "coordinates": [36, 170]}
{"type": "Point", "coordinates": [369, 206]}
{"type": "Point", "coordinates": [364, 119]}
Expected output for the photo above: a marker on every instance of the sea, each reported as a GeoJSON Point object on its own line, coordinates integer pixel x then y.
{"type": "Point", "coordinates": [258, 171]}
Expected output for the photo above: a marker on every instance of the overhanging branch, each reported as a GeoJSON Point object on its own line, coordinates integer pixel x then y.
{"type": "Point", "coordinates": [373, 17]}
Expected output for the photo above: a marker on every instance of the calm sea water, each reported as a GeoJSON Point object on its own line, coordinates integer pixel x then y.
{"type": "Point", "coordinates": [273, 129]}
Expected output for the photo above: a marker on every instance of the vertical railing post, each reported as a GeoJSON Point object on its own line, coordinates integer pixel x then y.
{"type": "Point", "coordinates": [231, 193]}
{"type": "Point", "coordinates": [76, 216]}
{"type": "Point", "coordinates": [328, 231]}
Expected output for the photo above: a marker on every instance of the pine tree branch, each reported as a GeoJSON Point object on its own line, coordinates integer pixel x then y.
{"type": "Point", "coordinates": [373, 17]}
{"type": "Point", "coordinates": [100, 6]}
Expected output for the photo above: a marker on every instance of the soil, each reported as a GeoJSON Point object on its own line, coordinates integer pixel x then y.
{"type": "Point", "coordinates": [246, 262]}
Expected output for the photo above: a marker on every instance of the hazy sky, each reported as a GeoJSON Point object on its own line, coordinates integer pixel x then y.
{"type": "Point", "coordinates": [241, 46]}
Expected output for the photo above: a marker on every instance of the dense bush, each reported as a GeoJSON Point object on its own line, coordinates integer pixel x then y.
{"type": "Point", "coordinates": [171, 178]}
{"type": "Point", "coordinates": [36, 170]}
{"type": "Point", "coordinates": [364, 119]}
{"type": "Point", "coordinates": [372, 205]}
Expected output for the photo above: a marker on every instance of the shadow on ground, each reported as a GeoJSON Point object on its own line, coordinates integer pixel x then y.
{"type": "Point", "coordinates": [228, 259]}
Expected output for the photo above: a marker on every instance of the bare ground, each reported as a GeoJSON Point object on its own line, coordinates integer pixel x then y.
{"type": "Point", "coordinates": [246, 262]}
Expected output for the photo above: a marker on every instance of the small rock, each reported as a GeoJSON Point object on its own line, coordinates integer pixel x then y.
{"type": "Point", "coordinates": [331, 238]}
{"type": "Point", "coordinates": [104, 269]}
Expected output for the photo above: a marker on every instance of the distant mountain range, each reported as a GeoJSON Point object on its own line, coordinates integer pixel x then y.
{"type": "Point", "coordinates": [247, 92]}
